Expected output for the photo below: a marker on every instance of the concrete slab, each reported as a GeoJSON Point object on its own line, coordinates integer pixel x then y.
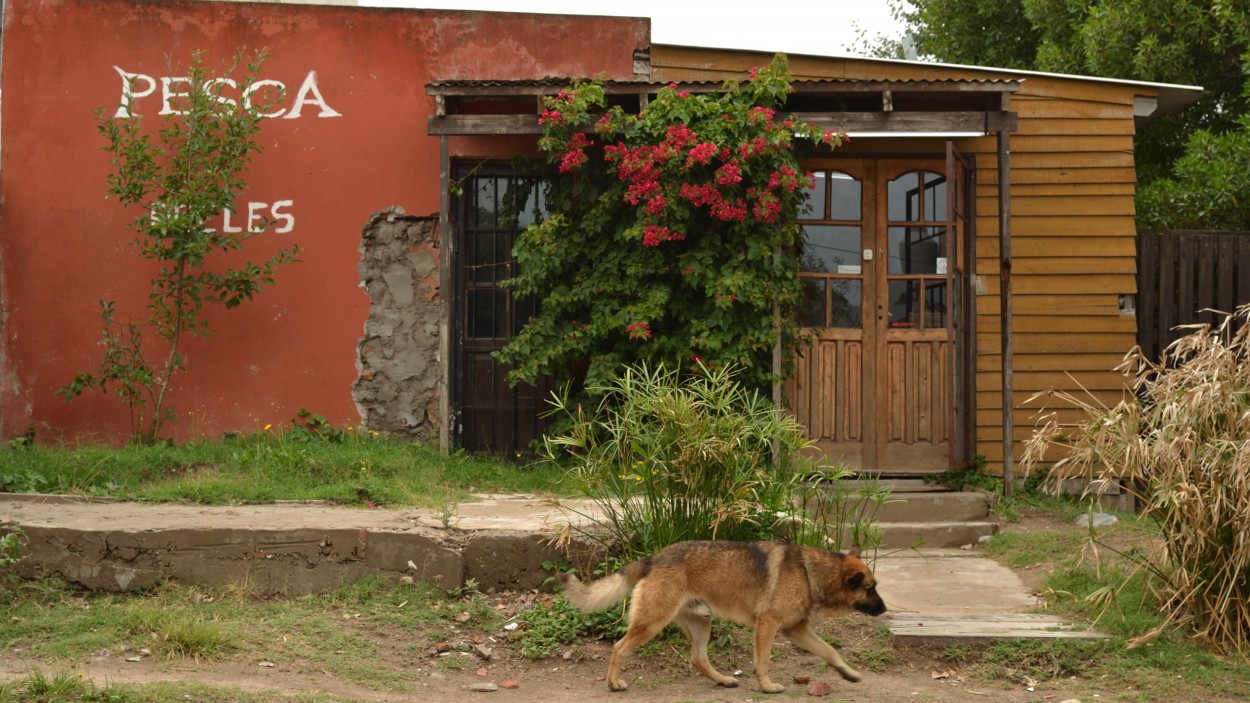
{"type": "Point", "coordinates": [954, 581]}
{"type": "Point", "coordinates": [285, 547]}
{"type": "Point", "coordinates": [500, 541]}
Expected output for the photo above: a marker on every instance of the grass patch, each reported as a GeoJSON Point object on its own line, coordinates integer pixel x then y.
{"type": "Point", "coordinates": [1096, 577]}
{"type": "Point", "coordinates": [349, 467]}
{"type": "Point", "coordinates": [38, 687]}
{"type": "Point", "coordinates": [363, 632]}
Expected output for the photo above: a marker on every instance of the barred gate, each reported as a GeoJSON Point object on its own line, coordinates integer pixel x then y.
{"type": "Point", "coordinates": [1180, 274]}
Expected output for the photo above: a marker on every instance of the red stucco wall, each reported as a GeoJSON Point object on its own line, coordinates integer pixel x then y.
{"type": "Point", "coordinates": [63, 246]}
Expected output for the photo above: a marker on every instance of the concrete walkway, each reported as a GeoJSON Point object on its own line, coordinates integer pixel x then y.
{"type": "Point", "coordinates": [500, 541]}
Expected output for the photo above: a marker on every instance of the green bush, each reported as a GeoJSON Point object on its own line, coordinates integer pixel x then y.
{"type": "Point", "coordinates": [666, 457]}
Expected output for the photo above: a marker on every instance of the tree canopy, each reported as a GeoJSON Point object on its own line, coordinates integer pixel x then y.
{"type": "Point", "coordinates": [1192, 42]}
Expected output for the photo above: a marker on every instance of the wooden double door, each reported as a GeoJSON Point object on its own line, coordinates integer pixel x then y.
{"type": "Point", "coordinates": [885, 384]}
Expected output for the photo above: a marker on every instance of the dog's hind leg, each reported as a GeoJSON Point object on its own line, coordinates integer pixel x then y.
{"type": "Point", "coordinates": [650, 609]}
{"type": "Point", "coordinates": [696, 622]}
{"type": "Point", "coordinates": [802, 635]}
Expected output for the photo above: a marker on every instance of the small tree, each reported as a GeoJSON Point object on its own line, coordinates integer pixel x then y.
{"type": "Point", "coordinates": [181, 180]}
{"type": "Point", "coordinates": [670, 235]}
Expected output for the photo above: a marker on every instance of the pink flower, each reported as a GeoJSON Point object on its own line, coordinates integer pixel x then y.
{"type": "Point", "coordinates": [656, 204]}
{"type": "Point", "coordinates": [638, 330]}
{"type": "Point", "coordinates": [701, 154]}
{"type": "Point", "coordinates": [730, 212]}
{"type": "Point", "coordinates": [655, 235]}
{"type": "Point", "coordinates": [728, 174]}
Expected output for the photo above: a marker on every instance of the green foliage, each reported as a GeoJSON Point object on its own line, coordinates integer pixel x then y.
{"type": "Point", "coordinates": [1183, 441]}
{"type": "Point", "coordinates": [1025, 660]}
{"type": "Point", "coordinates": [665, 458]}
{"type": "Point", "coordinates": [544, 629]}
{"type": "Point", "coordinates": [11, 542]}
{"type": "Point", "coordinates": [1190, 42]}
{"type": "Point", "coordinates": [1207, 187]}
{"type": "Point", "coordinates": [178, 182]}
{"type": "Point", "coordinates": [357, 468]}
{"type": "Point", "coordinates": [670, 237]}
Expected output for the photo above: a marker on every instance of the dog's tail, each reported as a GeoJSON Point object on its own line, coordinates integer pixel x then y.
{"type": "Point", "coordinates": [602, 593]}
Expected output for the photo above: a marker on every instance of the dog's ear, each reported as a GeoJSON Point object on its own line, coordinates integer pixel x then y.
{"type": "Point", "coordinates": [854, 551]}
{"type": "Point", "coordinates": [855, 581]}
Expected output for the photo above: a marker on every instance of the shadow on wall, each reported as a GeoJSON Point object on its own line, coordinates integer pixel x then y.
{"type": "Point", "coordinates": [396, 388]}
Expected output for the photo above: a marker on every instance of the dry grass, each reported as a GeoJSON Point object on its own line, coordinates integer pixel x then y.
{"type": "Point", "coordinates": [1184, 446]}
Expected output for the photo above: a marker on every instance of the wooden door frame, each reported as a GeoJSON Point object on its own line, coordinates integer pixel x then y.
{"type": "Point", "coordinates": [875, 170]}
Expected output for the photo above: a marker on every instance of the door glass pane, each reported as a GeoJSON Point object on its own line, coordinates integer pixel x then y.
{"type": "Point", "coordinates": [934, 196]}
{"type": "Point", "coordinates": [488, 256]}
{"type": "Point", "coordinates": [522, 204]}
{"type": "Point", "coordinates": [934, 304]}
{"type": "Point", "coordinates": [482, 207]}
{"type": "Point", "coordinates": [908, 202]}
{"type": "Point", "coordinates": [831, 249]}
{"type": "Point", "coordinates": [845, 200]}
{"type": "Point", "coordinates": [487, 313]}
{"type": "Point", "coordinates": [811, 310]}
{"type": "Point", "coordinates": [814, 200]}
{"type": "Point", "coordinates": [904, 304]}
{"type": "Point", "coordinates": [917, 250]}
{"type": "Point", "coordinates": [904, 197]}
{"type": "Point", "coordinates": [845, 302]}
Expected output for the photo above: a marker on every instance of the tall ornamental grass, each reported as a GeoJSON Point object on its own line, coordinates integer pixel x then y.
{"type": "Point", "coordinates": [1183, 445]}
{"type": "Point", "coordinates": [666, 457]}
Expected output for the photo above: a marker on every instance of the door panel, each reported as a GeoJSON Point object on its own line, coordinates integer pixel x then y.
{"type": "Point", "coordinates": [875, 390]}
{"type": "Point", "coordinates": [490, 416]}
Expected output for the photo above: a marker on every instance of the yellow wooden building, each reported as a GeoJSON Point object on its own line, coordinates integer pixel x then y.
{"type": "Point", "coordinates": [924, 262]}
{"type": "Point", "coordinates": [904, 386]}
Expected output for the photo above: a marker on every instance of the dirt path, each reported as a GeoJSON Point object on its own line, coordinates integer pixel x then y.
{"type": "Point", "coordinates": [662, 676]}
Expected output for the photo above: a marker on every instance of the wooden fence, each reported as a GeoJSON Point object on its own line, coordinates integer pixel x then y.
{"type": "Point", "coordinates": [1182, 273]}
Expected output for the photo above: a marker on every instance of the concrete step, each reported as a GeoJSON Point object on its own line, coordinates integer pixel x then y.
{"type": "Point", "coordinates": [945, 629]}
{"type": "Point", "coordinates": [948, 506]}
{"type": "Point", "coordinates": [904, 535]}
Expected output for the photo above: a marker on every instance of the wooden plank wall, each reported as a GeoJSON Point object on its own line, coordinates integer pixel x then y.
{"type": "Point", "coordinates": [1074, 254]}
{"type": "Point", "coordinates": [1074, 237]}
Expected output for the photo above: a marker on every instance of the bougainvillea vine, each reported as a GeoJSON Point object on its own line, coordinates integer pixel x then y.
{"type": "Point", "coordinates": [669, 235]}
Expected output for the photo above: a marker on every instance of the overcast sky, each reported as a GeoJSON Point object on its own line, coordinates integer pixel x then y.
{"type": "Point", "coordinates": [822, 27]}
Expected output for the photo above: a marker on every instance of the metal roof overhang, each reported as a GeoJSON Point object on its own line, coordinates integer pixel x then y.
{"type": "Point", "coordinates": [860, 108]}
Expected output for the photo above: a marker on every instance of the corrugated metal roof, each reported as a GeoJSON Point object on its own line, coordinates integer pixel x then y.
{"type": "Point", "coordinates": [541, 85]}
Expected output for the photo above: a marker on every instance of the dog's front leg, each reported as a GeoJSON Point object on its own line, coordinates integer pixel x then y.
{"type": "Point", "coordinates": [802, 635]}
{"type": "Point", "coordinates": [765, 633]}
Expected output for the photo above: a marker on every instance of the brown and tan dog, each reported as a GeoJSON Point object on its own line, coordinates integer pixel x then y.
{"type": "Point", "coordinates": [769, 586]}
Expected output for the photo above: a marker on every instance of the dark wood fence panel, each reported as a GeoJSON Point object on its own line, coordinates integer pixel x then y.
{"type": "Point", "coordinates": [1182, 276]}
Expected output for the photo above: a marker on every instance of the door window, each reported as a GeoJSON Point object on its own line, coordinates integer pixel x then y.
{"type": "Point", "coordinates": [917, 249]}
{"type": "Point", "coordinates": [832, 263]}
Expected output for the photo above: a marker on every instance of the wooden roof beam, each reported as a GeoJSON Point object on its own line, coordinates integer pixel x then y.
{"type": "Point", "coordinates": [900, 122]}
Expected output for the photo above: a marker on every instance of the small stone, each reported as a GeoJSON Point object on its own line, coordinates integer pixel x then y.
{"type": "Point", "coordinates": [509, 684]}
{"type": "Point", "coordinates": [818, 688]}
{"type": "Point", "coordinates": [802, 680]}
{"type": "Point", "coordinates": [483, 672]}
{"type": "Point", "coordinates": [1071, 700]}
{"type": "Point", "coordinates": [1097, 520]}
{"type": "Point", "coordinates": [483, 688]}
{"type": "Point", "coordinates": [484, 652]}
{"type": "Point", "coordinates": [266, 664]}
{"type": "Point", "coordinates": [406, 580]}
{"type": "Point", "coordinates": [443, 646]}
{"type": "Point", "coordinates": [134, 659]}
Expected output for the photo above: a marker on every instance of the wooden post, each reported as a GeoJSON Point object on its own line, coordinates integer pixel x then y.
{"type": "Point", "coordinates": [1005, 316]}
{"type": "Point", "coordinates": [444, 283]}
